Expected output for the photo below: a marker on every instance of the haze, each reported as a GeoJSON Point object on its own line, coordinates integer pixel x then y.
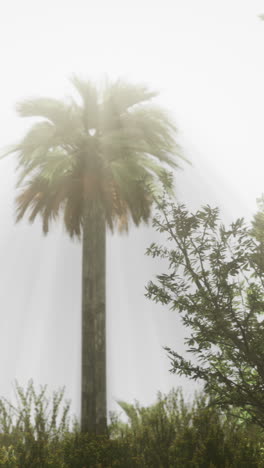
{"type": "Point", "coordinates": [207, 60]}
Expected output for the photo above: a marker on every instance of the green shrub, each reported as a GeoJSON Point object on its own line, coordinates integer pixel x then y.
{"type": "Point", "coordinates": [36, 433]}
{"type": "Point", "coordinates": [32, 430]}
{"type": "Point", "coordinates": [83, 451]}
{"type": "Point", "coordinates": [172, 434]}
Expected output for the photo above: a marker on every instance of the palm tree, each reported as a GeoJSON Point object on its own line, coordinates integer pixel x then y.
{"type": "Point", "coordinates": [97, 160]}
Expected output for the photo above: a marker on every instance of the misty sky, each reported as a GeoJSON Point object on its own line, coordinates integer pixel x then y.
{"type": "Point", "coordinates": [207, 60]}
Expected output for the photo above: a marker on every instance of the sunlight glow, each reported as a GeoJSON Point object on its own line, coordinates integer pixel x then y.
{"type": "Point", "coordinates": [206, 59]}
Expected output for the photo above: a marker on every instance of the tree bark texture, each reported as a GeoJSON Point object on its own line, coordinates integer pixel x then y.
{"type": "Point", "coordinates": [93, 386]}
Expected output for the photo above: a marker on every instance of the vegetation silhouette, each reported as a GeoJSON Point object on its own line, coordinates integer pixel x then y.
{"type": "Point", "coordinates": [215, 280]}
{"type": "Point", "coordinates": [37, 431]}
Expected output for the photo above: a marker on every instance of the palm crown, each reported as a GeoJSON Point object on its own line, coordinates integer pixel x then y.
{"type": "Point", "coordinates": [105, 147]}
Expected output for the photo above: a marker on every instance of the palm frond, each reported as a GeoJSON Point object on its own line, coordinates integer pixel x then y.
{"type": "Point", "coordinates": [64, 116]}
{"type": "Point", "coordinates": [120, 165]}
{"type": "Point", "coordinates": [90, 105]}
{"type": "Point", "coordinates": [49, 108]}
{"type": "Point", "coordinates": [121, 96]}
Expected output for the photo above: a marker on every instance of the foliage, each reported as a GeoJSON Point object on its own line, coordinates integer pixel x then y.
{"type": "Point", "coordinates": [83, 450]}
{"type": "Point", "coordinates": [168, 434]}
{"type": "Point", "coordinates": [107, 146]}
{"type": "Point", "coordinates": [172, 433]}
{"type": "Point", "coordinates": [31, 430]}
{"type": "Point", "coordinates": [257, 231]}
{"type": "Point", "coordinates": [215, 281]}
{"type": "Point", "coordinates": [258, 221]}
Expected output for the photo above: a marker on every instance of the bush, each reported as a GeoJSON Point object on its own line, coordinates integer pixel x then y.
{"type": "Point", "coordinates": [31, 432]}
{"type": "Point", "coordinates": [172, 434]}
{"type": "Point", "coordinates": [169, 434]}
{"type": "Point", "coordinates": [83, 451]}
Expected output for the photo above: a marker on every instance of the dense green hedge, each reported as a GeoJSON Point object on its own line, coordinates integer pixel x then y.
{"type": "Point", "coordinates": [36, 433]}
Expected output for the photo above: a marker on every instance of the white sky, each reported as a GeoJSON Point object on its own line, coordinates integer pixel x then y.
{"type": "Point", "coordinates": [207, 60]}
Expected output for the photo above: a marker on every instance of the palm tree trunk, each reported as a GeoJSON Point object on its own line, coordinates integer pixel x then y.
{"type": "Point", "coordinates": [93, 398]}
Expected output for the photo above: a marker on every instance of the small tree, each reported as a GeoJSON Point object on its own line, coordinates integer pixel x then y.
{"type": "Point", "coordinates": [215, 280]}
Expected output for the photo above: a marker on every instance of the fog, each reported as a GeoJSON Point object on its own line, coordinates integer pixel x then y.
{"type": "Point", "coordinates": [207, 60]}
